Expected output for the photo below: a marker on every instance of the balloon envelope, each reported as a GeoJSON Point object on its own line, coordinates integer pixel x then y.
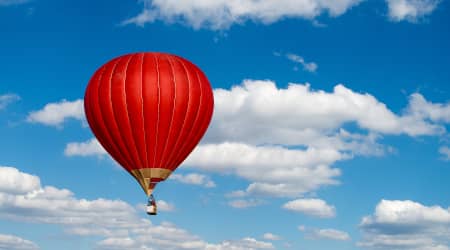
{"type": "Point", "coordinates": [149, 111]}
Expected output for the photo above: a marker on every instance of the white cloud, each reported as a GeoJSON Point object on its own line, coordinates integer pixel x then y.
{"type": "Point", "coordinates": [410, 10]}
{"type": "Point", "coordinates": [7, 99]}
{"type": "Point", "coordinates": [242, 203]}
{"type": "Point", "coordinates": [183, 240]}
{"type": "Point", "coordinates": [259, 112]}
{"type": "Point", "coordinates": [30, 202]}
{"type": "Point", "coordinates": [115, 220]}
{"type": "Point", "coordinates": [15, 182]}
{"type": "Point", "coordinates": [88, 148]}
{"type": "Point", "coordinates": [313, 207]}
{"type": "Point", "coordinates": [271, 236]}
{"type": "Point", "coordinates": [445, 151]}
{"type": "Point", "coordinates": [242, 244]}
{"type": "Point", "coordinates": [221, 14]}
{"type": "Point", "coordinates": [12, 2]}
{"type": "Point", "coordinates": [423, 109]}
{"type": "Point", "coordinates": [11, 242]}
{"type": "Point", "coordinates": [165, 206]}
{"type": "Point", "coordinates": [326, 233]}
{"type": "Point", "coordinates": [55, 114]}
{"type": "Point", "coordinates": [308, 66]}
{"type": "Point", "coordinates": [254, 116]}
{"type": "Point", "coordinates": [194, 179]}
{"type": "Point", "coordinates": [331, 234]}
{"type": "Point", "coordinates": [406, 225]}
{"type": "Point", "coordinates": [407, 213]}
{"type": "Point", "coordinates": [274, 170]}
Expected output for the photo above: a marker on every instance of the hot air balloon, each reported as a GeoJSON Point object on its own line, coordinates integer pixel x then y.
{"type": "Point", "coordinates": [149, 111]}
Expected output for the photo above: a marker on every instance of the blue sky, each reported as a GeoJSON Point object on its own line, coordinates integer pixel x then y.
{"type": "Point", "coordinates": [330, 128]}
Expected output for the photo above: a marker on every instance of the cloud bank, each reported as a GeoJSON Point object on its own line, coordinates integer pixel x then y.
{"type": "Point", "coordinates": [222, 14]}
{"type": "Point", "coordinates": [406, 225]}
{"type": "Point", "coordinates": [24, 199]}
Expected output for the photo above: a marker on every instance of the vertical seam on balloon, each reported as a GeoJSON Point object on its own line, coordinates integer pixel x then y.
{"type": "Point", "coordinates": [103, 120]}
{"type": "Point", "coordinates": [157, 120]}
{"type": "Point", "coordinates": [143, 109]}
{"type": "Point", "coordinates": [128, 113]}
{"type": "Point", "coordinates": [130, 157]}
{"type": "Point", "coordinates": [88, 103]}
{"type": "Point", "coordinates": [209, 109]}
{"type": "Point", "coordinates": [173, 110]}
{"type": "Point", "coordinates": [206, 120]}
{"type": "Point", "coordinates": [185, 114]}
{"type": "Point", "coordinates": [181, 153]}
{"type": "Point", "coordinates": [201, 130]}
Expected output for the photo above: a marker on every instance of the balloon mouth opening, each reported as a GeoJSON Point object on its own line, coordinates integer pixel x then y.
{"type": "Point", "coordinates": [149, 177]}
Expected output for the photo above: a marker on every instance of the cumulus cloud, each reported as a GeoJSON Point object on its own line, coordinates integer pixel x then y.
{"type": "Point", "coordinates": [11, 242]}
{"type": "Point", "coordinates": [168, 236]}
{"type": "Point", "coordinates": [326, 233]}
{"type": "Point", "coordinates": [31, 202]}
{"type": "Point", "coordinates": [116, 221]}
{"type": "Point", "coordinates": [55, 114]}
{"type": "Point", "coordinates": [271, 236]}
{"type": "Point", "coordinates": [406, 225]}
{"type": "Point", "coordinates": [252, 119]}
{"type": "Point", "coordinates": [274, 170]}
{"type": "Point", "coordinates": [194, 179]}
{"type": "Point", "coordinates": [88, 148]}
{"type": "Point", "coordinates": [7, 99]}
{"type": "Point", "coordinates": [410, 10]}
{"type": "Point", "coordinates": [313, 207]}
{"type": "Point", "coordinates": [423, 109]}
{"type": "Point", "coordinates": [260, 112]}
{"type": "Point", "coordinates": [308, 66]}
{"type": "Point", "coordinates": [15, 182]}
{"type": "Point", "coordinates": [221, 14]}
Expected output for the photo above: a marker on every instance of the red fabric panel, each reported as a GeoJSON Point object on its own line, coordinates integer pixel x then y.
{"type": "Point", "coordinates": [151, 98]}
{"type": "Point", "coordinates": [149, 110]}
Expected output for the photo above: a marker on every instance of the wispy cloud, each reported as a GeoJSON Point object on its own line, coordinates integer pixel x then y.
{"type": "Point", "coordinates": [324, 234]}
{"type": "Point", "coordinates": [12, 2]}
{"type": "Point", "coordinates": [165, 206]}
{"type": "Point", "coordinates": [12, 242]}
{"type": "Point", "coordinates": [307, 66]}
{"type": "Point", "coordinates": [7, 99]}
{"type": "Point", "coordinates": [271, 236]}
{"type": "Point", "coordinates": [245, 203]}
{"type": "Point", "coordinates": [410, 10]}
{"type": "Point", "coordinates": [445, 152]}
{"type": "Point", "coordinates": [193, 179]}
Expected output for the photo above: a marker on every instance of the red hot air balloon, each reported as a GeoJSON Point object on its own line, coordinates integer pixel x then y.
{"type": "Point", "coordinates": [149, 111]}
